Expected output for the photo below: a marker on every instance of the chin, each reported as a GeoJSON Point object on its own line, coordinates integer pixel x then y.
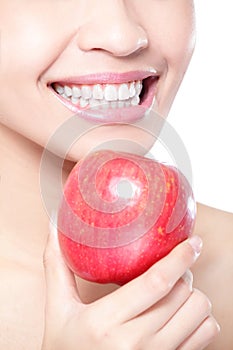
{"type": "Point", "coordinates": [122, 139]}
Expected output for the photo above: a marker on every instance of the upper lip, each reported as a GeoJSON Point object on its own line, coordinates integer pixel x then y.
{"type": "Point", "coordinates": [107, 78]}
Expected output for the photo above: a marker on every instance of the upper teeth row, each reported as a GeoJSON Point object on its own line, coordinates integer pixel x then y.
{"type": "Point", "coordinates": [107, 92]}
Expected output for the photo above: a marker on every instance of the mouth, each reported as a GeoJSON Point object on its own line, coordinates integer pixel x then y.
{"type": "Point", "coordinates": [108, 97]}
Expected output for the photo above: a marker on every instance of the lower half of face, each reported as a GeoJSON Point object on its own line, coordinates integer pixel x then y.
{"type": "Point", "coordinates": [101, 76]}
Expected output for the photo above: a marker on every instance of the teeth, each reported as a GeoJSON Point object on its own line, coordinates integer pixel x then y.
{"type": "Point", "coordinates": [102, 96]}
{"type": "Point", "coordinates": [135, 101]}
{"type": "Point", "coordinates": [86, 92]}
{"type": "Point", "coordinates": [83, 103]}
{"type": "Point", "coordinates": [98, 93]}
{"type": "Point", "coordinates": [68, 91]}
{"type": "Point", "coordinates": [76, 92]}
{"type": "Point", "coordinates": [138, 87]}
{"type": "Point", "coordinates": [94, 103]}
{"type": "Point", "coordinates": [123, 92]}
{"type": "Point", "coordinates": [74, 100]}
{"type": "Point", "coordinates": [110, 93]}
{"type": "Point", "coordinates": [121, 104]}
{"type": "Point", "coordinates": [114, 104]}
{"type": "Point", "coordinates": [132, 90]}
{"type": "Point", "coordinates": [106, 105]}
{"type": "Point", "coordinates": [59, 89]}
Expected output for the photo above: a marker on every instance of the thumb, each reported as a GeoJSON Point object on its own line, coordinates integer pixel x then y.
{"type": "Point", "coordinates": [61, 288]}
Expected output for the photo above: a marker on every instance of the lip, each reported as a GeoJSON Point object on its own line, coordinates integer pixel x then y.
{"type": "Point", "coordinates": [122, 115]}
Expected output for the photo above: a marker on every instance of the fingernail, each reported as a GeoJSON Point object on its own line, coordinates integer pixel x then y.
{"type": "Point", "coordinates": [188, 278]}
{"type": "Point", "coordinates": [53, 222]}
{"type": "Point", "coordinates": [196, 243]}
{"type": "Point", "coordinates": [218, 327]}
{"type": "Point", "coordinates": [53, 229]}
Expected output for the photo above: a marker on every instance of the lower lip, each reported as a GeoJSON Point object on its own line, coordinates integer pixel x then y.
{"type": "Point", "coordinates": [118, 115]}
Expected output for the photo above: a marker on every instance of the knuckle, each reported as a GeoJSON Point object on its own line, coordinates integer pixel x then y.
{"type": "Point", "coordinates": [121, 344]}
{"type": "Point", "coordinates": [108, 338]}
{"type": "Point", "coordinates": [93, 325]}
{"type": "Point", "coordinates": [101, 334]}
{"type": "Point", "coordinates": [157, 280]}
{"type": "Point", "coordinates": [186, 255]}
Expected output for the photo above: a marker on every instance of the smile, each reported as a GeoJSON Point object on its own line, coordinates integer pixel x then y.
{"type": "Point", "coordinates": [108, 97]}
{"type": "Point", "coordinates": [102, 95]}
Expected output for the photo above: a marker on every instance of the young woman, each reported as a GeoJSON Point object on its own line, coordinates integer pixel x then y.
{"type": "Point", "coordinates": [57, 59]}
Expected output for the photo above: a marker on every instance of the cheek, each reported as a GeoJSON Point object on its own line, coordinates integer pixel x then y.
{"type": "Point", "coordinates": [28, 48]}
{"type": "Point", "coordinates": [172, 38]}
{"type": "Point", "coordinates": [29, 45]}
{"type": "Point", "coordinates": [23, 58]}
{"type": "Point", "coordinates": [178, 39]}
{"type": "Point", "coordinates": [179, 47]}
{"type": "Point", "coordinates": [172, 31]}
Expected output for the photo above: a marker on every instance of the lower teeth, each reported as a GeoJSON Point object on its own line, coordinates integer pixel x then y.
{"type": "Point", "coordinates": [96, 104]}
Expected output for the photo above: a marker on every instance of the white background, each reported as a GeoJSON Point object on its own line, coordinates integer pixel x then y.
{"type": "Point", "coordinates": [202, 113]}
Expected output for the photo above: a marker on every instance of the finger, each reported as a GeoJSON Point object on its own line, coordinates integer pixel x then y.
{"type": "Point", "coordinates": [158, 315]}
{"type": "Point", "coordinates": [147, 289]}
{"type": "Point", "coordinates": [60, 281]}
{"type": "Point", "coordinates": [202, 336]}
{"type": "Point", "coordinates": [185, 321]}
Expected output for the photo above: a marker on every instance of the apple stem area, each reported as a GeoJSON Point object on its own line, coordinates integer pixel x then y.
{"type": "Point", "coordinates": [125, 189]}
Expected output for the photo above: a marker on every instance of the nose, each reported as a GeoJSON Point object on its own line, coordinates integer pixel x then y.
{"type": "Point", "coordinates": [111, 26]}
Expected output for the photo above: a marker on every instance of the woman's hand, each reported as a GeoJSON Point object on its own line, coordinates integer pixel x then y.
{"type": "Point", "coordinates": [158, 310]}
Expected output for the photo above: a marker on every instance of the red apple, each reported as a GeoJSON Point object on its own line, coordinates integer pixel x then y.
{"type": "Point", "coordinates": [121, 213]}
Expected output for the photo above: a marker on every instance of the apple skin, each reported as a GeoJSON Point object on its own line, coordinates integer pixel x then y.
{"type": "Point", "coordinates": [110, 237]}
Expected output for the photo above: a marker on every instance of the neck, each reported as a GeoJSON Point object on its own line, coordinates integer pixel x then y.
{"type": "Point", "coordinates": [23, 218]}
{"type": "Point", "coordinates": [24, 222]}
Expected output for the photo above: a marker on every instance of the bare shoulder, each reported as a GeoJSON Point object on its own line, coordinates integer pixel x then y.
{"type": "Point", "coordinates": [213, 273]}
{"type": "Point", "coordinates": [209, 218]}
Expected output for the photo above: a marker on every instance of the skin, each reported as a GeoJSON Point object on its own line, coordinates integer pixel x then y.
{"type": "Point", "coordinates": [43, 41]}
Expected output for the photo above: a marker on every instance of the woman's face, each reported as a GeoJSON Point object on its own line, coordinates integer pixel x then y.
{"type": "Point", "coordinates": [59, 58]}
